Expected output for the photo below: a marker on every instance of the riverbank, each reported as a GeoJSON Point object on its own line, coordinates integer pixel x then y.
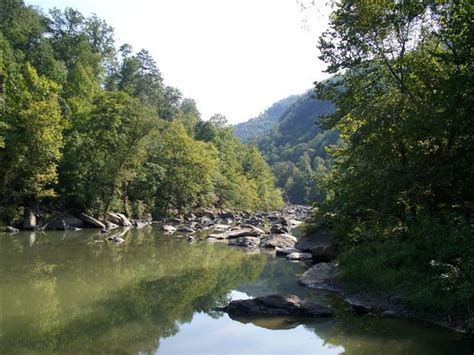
{"type": "Point", "coordinates": [277, 233]}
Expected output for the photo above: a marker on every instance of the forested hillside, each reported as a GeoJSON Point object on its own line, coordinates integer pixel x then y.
{"type": "Point", "coordinates": [262, 124]}
{"type": "Point", "coordinates": [295, 146]}
{"type": "Point", "coordinates": [399, 193]}
{"type": "Point", "coordinates": [90, 126]}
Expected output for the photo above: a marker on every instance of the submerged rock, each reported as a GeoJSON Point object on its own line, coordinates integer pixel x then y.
{"type": "Point", "coordinates": [277, 305]}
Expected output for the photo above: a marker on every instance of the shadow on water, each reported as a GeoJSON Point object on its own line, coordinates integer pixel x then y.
{"type": "Point", "coordinates": [75, 292]}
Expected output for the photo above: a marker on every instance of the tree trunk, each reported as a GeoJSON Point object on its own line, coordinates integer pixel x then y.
{"type": "Point", "coordinates": [29, 219]}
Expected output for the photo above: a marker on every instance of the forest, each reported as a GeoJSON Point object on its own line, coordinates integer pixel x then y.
{"type": "Point", "coordinates": [399, 192]}
{"type": "Point", "coordinates": [88, 124]}
{"type": "Point", "coordinates": [383, 151]}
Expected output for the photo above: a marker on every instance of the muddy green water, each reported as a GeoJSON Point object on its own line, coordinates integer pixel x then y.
{"type": "Point", "coordinates": [75, 293]}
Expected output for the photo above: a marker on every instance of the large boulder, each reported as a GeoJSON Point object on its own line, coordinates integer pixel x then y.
{"type": "Point", "coordinates": [279, 241]}
{"type": "Point", "coordinates": [246, 242]}
{"type": "Point", "coordinates": [91, 221]}
{"type": "Point", "coordinates": [279, 229]}
{"type": "Point", "coordinates": [64, 222]}
{"type": "Point", "coordinates": [277, 305]}
{"type": "Point", "coordinates": [316, 239]}
{"type": "Point", "coordinates": [319, 276]}
{"type": "Point", "coordinates": [244, 232]}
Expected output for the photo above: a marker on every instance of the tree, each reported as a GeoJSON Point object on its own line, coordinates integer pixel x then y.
{"type": "Point", "coordinates": [401, 181]}
{"type": "Point", "coordinates": [29, 166]}
{"type": "Point", "coordinates": [188, 166]}
{"type": "Point", "coordinates": [105, 153]}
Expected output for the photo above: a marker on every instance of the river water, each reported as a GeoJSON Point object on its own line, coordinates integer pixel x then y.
{"type": "Point", "coordinates": [76, 293]}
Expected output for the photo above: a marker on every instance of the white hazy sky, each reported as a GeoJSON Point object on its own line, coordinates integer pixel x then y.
{"type": "Point", "coordinates": [234, 57]}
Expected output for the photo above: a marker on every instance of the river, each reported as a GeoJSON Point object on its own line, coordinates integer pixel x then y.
{"type": "Point", "coordinates": [76, 293]}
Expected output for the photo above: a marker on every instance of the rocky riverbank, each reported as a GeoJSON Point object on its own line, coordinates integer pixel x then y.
{"type": "Point", "coordinates": [275, 233]}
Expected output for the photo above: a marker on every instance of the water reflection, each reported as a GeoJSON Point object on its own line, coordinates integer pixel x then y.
{"type": "Point", "coordinates": [75, 292]}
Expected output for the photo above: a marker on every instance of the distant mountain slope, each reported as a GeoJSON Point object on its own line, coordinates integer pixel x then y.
{"type": "Point", "coordinates": [295, 146]}
{"type": "Point", "coordinates": [259, 126]}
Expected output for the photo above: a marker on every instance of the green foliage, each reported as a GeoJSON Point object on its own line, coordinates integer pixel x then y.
{"type": "Point", "coordinates": [29, 167]}
{"type": "Point", "coordinates": [261, 125]}
{"type": "Point", "coordinates": [400, 188]}
{"type": "Point", "coordinates": [188, 165]}
{"type": "Point", "coordinates": [294, 145]}
{"type": "Point", "coordinates": [243, 181]}
{"type": "Point", "coordinates": [88, 128]}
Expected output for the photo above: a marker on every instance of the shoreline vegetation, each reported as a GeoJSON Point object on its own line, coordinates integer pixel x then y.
{"type": "Point", "coordinates": [90, 136]}
{"type": "Point", "coordinates": [89, 126]}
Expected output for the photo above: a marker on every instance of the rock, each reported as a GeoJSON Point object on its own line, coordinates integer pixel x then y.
{"type": "Point", "coordinates": [294, 223]}
{"type": "Point", "coordinates": [247, 242]}
{"type": "Point", "coordinates": [286, 251]}
{"type": "Point", "coordinates": [64, 222]}
{"type": "Point", "coordinates": [10, 229]}
{"type": "Point", "coordinates": [189, 238]}
{"type": "Point", "coordinates": [277, 305]}
{"type": "Point", "coordinates": [254, 221]}
{"type": "Point", "coordinates": [168, 229]}
{"type": "Point", "coordinates": [92, 221]}
{"type": "Point", "coordinates": [190, 217]}
{"type": "Point", "coordinates": [316, 239]}
{"type": "Point", "coordinates": [357, 306]}
{"type": "Point", "coordinates": [279, 241]}
{"type": "Point", "coordinates": [175, 220]}
{"type": "Point", "coordinates": [185, 230]}
{"type": "Point", "coordinates": [319, 275]}
{"type": "Point", "coordinates": [221, 227]}
{"type": "Point", "coordinates": [204, 212]}
{"type": "Point", "coordinates": [388, 314]}
{"type": "Point", "coordinates": [244, 232]}
{"type": "Point", "coordinates": [227, 215]}
{"type": "Point", "coordinates": [299, 256]}
{"type": "Point", "coordinates": [324, 253]}
{"type": "Point", "coordinates": [29, 219]}
{"type": "Point", "coordinates": [279, 229]}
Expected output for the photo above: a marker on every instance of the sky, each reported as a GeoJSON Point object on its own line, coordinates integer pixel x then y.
{"type": "Point", "coordinates": [234, 57]}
